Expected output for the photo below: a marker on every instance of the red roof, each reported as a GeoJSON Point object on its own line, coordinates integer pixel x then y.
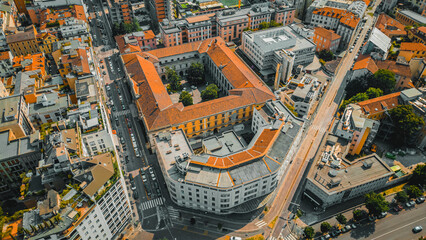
{"type": "Point", "coordinates": [380, 104]}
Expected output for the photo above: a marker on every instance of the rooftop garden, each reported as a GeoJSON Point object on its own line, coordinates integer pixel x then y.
{"type": "Point", "coordinates": [112, 180]}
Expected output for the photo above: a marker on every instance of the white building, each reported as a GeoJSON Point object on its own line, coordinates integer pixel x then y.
{"type": "Point", "coordinates": [230, 176]}
{"type": "Point", "coordinates": [378, 43]}
{"type": "Point", "coordinates": [332, 180]}
{"type": "Point", "coordinates": [260, 47]}
{"type": "Point", "coordinates": [95, 142]}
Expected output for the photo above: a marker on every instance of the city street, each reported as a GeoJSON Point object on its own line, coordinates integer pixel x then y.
{"type": "Point", "coordinates": [398, 226]}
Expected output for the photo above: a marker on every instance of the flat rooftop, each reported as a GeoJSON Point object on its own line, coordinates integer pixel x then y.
{"type": "Point", "coordinates": [336, 174]}
{"type": "Point", "coordinates": [263, 155]}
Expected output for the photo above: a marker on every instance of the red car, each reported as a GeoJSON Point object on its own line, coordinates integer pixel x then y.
{"type": "Point", "coordinates": [398, 208]}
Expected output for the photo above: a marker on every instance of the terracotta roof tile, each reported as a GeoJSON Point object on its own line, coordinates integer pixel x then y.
{"type": "Point", "coordinates": [4, 55]}
{"type": "Point", "coordinates": [155, 103]}
{"type": "Point", "coordinates": [390, 26]}
{"type": "Point", "coordinates": [200, 18]}
{"type": "Point", "coordinates": [412, 46]}
{"type": "Point", "coordinates": [327, 34]}
{"type": "Point", "coordinates": [365, 62]}
{"type": "Point", "coordinates": [380, 104]}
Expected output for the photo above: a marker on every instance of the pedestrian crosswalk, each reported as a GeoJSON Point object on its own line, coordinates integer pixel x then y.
{"type": "Point", "coordinates": [121, 113]}
{"type": "Point", "coordinates": [290, 237]}
{"type": "Point", "coordinates": [173, 213]}
{"type": "Point", "coordinates": [260, 223]}
{"type": "Point", "coordinates": [152, 203]}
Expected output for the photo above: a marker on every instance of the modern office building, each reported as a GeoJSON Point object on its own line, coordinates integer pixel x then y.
{"type": "Point", "coordinates": [260, 47]}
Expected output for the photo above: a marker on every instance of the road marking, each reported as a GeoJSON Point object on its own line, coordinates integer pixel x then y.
{"type": "Point", "coordinates": [152, 203]}
{"type": "Point", "coordinates": [260, 223]}
{"type": "Point", "coordinates": [173, 213]}
{"type": "Point", "coordinates": [396, 229]}
{"type": "Point", "coordinates": [121, 113]}
{"type": "Point", "coordinates": [290, 237]}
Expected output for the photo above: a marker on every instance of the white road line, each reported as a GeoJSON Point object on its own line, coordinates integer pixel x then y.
{"type": "Point", "coordinates": [260, 223]}
{"type": "Point", "coordinates": [396, 229]}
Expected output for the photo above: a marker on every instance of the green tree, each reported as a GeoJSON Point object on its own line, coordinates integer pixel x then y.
{"type": "Point", "coordinates": [211, 92]}
{"type": "Point", "coordinates": [309, 232]}
{"type": "Point", "coordinates": [359, 214]}
{"type": "Point", "coordinates": [274, 24]}
{"type": "Point", "coordinates": [325, 227]}
{"type": "Point", "coordinates": [174, 80]}
{"type": "Point", "coordinates": [407, 124]}
{"type": "Point", "coordinates": [356, 86]}
{"type": "Point", "coordinates": [135, 25]}
{"type": "Point", "coordinates": [419, 175]}
{"type": "Point", "coordinates": [186, 98]}
{"type": "Point", "coordinates": [414, 191]}
{"type": "Point", "coordinates": [196, 74]}
{"type": "Point", "coordinates": [376, 203]}
{"type": "Point", "coordinates": [341, 219]}
{"type": "Point", "coordinates": [401, 197]}
{"type": "Point", "coordinates": [374, 93]}
{"type": "Point", "coordinates": [264, 25]}
{"type": "Point", "coordinates": [326, 55]}
{"type": "Point", "coordinates": [383, 79]}
{"type": "Point", "coordinates": [357, 98]}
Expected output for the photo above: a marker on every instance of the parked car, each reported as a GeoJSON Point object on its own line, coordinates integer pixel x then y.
{"type": "Point", "coordinates": [372, 218]}
{"type": "Point", "coordinates": [135, 195]}
{"type": "Point", "coordinates": [144, 178]}
{"type": "Point", "coordinates": [397, 208]}
{"type": "Point", "coordinates": [353, 226]}
{"type": "Point", "coordinates": [410, 204]}
{"type": "Point", "coordinates": [417, 229]}
{"type": "Point", "coordinates": [132, 185]}
{"type": "Point", "coordinates": [420, 200]}
{"type": "Point", "coordinates": [382, 215]}
{"type": "Point", "coordinates": [347, 228]}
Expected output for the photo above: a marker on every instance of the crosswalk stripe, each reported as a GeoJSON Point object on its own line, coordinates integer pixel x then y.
{"type": "Point", "coordinates": [121, 113]}
{"type": "Point", "coordinates": [173, 212]}
{"type": "Point", "coordinates": [152, 203]}
{"type": "Point", "coordinates": [260, 223]}
{"type": "Point", "coordinates": [290, 237]}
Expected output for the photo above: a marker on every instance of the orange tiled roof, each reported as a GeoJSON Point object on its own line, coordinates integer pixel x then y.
{"type": "Point", "coordinates": [327, 34]}
{"type": "Point", "coordinates": [155, 103]}
{"type": "Point", "coordinates": [412, 46]}
{"type": "Point", "coordinates": [80, 60]}
{"type": "Point", "coordinates": [200, 18]}
{"type": "Point", "coordinates": [398, 69]}
{"type": "Point", "coordinates": [38, 62]}
{"type": "Point", "coordinates": [258, 150]}
{"type": "Point", "coordinates": [149, 34]}
{"type": "Point", "coordinates": [4, 55]}
{"type": "Point", "coordinates": [389, 26]}
{"type": "Point", "coordinates": [365, 62]}
{"type": "Point", "coordinates": [380, 104]}
{"type": "Point", "coordinates": [345, 17]}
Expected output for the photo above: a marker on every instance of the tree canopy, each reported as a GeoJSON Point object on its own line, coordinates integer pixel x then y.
{"type": "Point", "coordinates": [407, 124]}
{"type": "Point", "coordinates": [369, 94]}
{"type": "Point", "coordinates": [341, 219]}
{"type": "Point", "coordinates": [186, 98]}
{"type": "Point", "coordinates": [309, 232]}
{"type": "Point", "coordinates": [174, 80]}
{"type": "Point", "coordinates": [326, 55]}
{"type": "Point", "coordinates": [325, 227]}
{"type": "Point", "coordinates": [383, 79]}
{"type": "Point", "coordinates": [376, 203]}
{"type": "Point", "coordinates": [414, 191]}
{"type": "Point", "coordinates": [211, 92]}
{"type": "Point", "coordinates": [196, 73]}
{"type": "Point", "coordinates": [401, 197]}
{"type": "Point", "coordinates": [419, 175]}
{"type": "Point", "coordinates": [359, 214]}
{"type": "Point", "coordinates": [123, 28]}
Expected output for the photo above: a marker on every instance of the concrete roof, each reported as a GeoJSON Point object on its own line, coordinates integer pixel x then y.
{"type": "Point", "coordinates": [415, 16]}
{"type": "Point", "coordinates": [380, 40]}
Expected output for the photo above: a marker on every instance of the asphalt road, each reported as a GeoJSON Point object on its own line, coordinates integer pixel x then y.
{"type": "Point", "coordinates": [397, 226]}
{"type": "Point", "coordinates": [316, 131]}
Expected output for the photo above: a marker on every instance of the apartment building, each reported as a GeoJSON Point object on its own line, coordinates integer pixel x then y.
{"type": "Point", "coordinates": [23, 43]}
{"type": "Point", "coordinates": [45, 16]}
{"type": "Point", "coordinates": [303, 96]}
{"type": "Point", "coordinates": [260, 46]}
{"type": "Point", "coordinates": [97, 142]}
{"type": "Point", "coordinates": [343, 22]}
{"type": "Point", "coordinates": [49, 107]}
{"type": "Point", "coordinates": [409, 18]}
{"type": "Point", "coordinates": [333, 180]}
{"type": "Point", "coordinates": [144, 39]}
{"type": "Point", "coordinates": [242, 88]}
{"type": "Point", "coordinates": [228, 23]}
{"type": "Point", "coordinates": [377, 45]}
{"type": "Point", "coordinates": [409, 50]}
{"type": "Point", "coordinates": [326, 39]}
{"type": "Point", "coordinates": [356, 7]}
{"type": "Point", "coordinates": [45, 42]}
{"type": "Point", "coordinates": [159, 10]}
{"type": "Point", "coordinates": [229, 176]}
{"type": "Point", "coordinates": [390, 27]}
{"type": "Point", "coordinates": [120, 11]}
{"type": "Point", "coordinates": [6, 64]}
